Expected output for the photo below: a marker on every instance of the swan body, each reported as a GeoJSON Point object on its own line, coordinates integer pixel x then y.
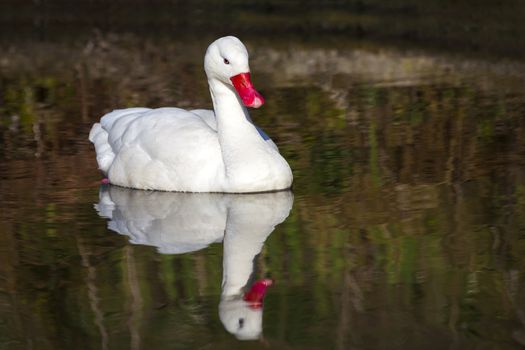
{"type": "Point", "coordinates": [172, 149]}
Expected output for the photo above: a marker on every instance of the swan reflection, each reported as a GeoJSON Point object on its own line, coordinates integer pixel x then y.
{"type": "Point", "coordinates": [179, 223]}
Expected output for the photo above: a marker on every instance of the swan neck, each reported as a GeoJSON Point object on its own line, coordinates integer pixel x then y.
{"type": "Point", "coordinates": [227, 105]}
{"type": "Point", "coordinates": [243, 149]}
{"type": "Point", "coordinates": [234, 125]}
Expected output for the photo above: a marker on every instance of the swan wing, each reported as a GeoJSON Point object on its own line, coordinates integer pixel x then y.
{"type": "Point", "coordinates": [165, 149]}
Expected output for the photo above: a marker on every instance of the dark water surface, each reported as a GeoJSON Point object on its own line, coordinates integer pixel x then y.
{"type": "Point", "coordinates": [405, 228]}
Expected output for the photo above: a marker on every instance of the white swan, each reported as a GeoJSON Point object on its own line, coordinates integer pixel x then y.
{"type": "Point", "coordinates": [172, 149]}
{"type": "Point", "coordinates": [184, 222]}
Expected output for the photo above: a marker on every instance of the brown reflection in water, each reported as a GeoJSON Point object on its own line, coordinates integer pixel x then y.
{"type": "Point", "coordinates": [407, 226]}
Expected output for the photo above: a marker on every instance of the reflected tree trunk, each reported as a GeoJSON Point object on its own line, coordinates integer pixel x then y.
{"type": "Point", "coordinates": [94, 300]}
{"type": "Point", "coordinates": [136, 304]}
{"type": "Point", "coordinates": [83, 80]}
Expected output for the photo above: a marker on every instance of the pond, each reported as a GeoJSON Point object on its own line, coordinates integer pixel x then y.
{"type": "Point", "coordinates": [405, 227]}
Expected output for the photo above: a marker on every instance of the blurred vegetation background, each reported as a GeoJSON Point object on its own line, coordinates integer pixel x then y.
{"type": "Point", "coordinates": [476, 27]}
{"type": "Point", "coordinates": [402, 121]}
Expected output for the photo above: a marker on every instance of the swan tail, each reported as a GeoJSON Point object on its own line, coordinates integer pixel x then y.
{"type": "Point", "coordinates": [99, 137]}
{"type": "Point", "coordinates": [113, 123]}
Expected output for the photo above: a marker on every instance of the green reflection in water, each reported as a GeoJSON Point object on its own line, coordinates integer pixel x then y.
{"type": "Point", "coordinates": [406, 232]}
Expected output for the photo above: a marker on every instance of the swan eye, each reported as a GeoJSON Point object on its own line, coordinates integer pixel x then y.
{"type": "Point", "coordinates": [226, 61]}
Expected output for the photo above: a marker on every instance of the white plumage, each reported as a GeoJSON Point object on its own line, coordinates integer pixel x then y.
{"type": "Point", "coordinates": [172, 149]}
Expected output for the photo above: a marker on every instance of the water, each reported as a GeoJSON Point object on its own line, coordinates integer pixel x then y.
{"type": "Point", "coordinates": [405, 227]}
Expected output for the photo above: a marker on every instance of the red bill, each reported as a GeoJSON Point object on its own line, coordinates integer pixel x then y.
{"type": "Point", "coordinates": [244, 87]}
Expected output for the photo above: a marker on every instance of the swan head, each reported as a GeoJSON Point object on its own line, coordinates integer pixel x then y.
{"type": "Point", "coordinates": [226, 60]}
